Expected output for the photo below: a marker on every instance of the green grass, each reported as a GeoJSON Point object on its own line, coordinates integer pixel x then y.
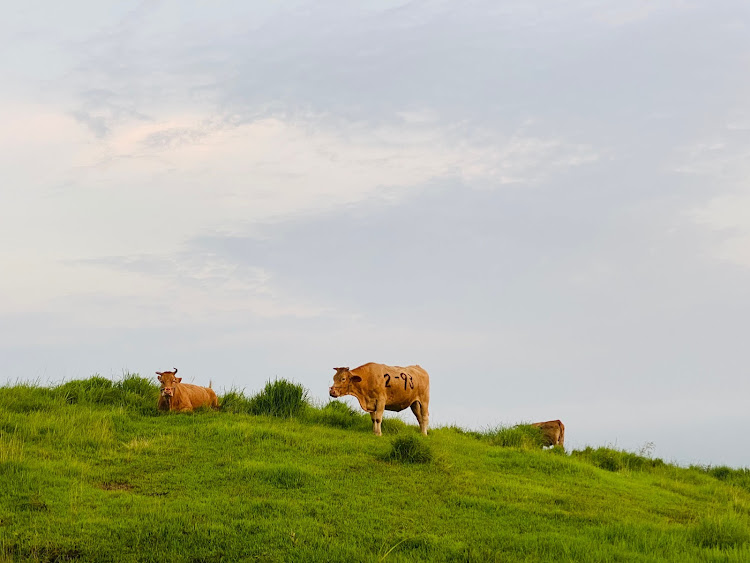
{"type": "Point", "coordinates": [278, 398]}
{"type": "Point", "coordinates": [410, 449]}
{"type": "Point", "coordinates": [90, 471]}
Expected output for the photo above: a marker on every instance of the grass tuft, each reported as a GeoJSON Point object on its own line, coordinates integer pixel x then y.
{"type": "Point", "coordinates": [617, 460]}
{"type": "Point", "coordinates": [521, 436]}
{"type": "Point", "coordinates": [739, 477]}
{"type": "Point", "coordinates": [280, 398]}
{"type": "Point", "coordinates": [723, 532]}
{"type": "Point", "coordinates": [410, 448]}
{"type": "Point", "coordinates": [140, 386]}
{"type": "Point", "coordinates": [285, 477]}
{"type": "Point", "coordinates": [235, 401]}
{"type": "Point", "coordinates": [27, 398]}
{"type": "Point", "coordinates": [95, 389]}
{"type": "Point", "coordinates": [131, 391]}
{"type": "Point", "coordinates": [339, 415]}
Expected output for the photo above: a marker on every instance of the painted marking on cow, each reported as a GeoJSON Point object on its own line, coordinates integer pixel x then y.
{"type": "Point", "coordinates": [388, 380]}
{"type": "Point", "coordinates": [410, 381]}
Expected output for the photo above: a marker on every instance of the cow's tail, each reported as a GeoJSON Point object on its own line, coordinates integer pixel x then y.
{"type": "Point", "coordinates": [215, 401]}
{"type": "Point", "coordinates": [562, 434]}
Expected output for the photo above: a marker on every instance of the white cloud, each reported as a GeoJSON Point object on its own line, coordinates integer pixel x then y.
{"type": "Point", "coordinates": [722, 163]}
{"type": "Point", "coordinates": [146, 187]}
{"type": "Point", "coordinates": [728, 215]}
{"type": "Point", "coordinates": [188, 173]}
{"type": "Point", "coordinates": [150, 291]}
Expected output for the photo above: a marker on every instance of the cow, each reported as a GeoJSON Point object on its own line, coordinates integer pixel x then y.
{"type": "Point", "coordinates": [553, 432]}
{"type": "Point", "coordinates": [379, 387]}
{"type": "Point", "coordinates": [183, 397]}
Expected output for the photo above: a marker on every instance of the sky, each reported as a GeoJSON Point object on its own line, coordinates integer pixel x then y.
{"type": "Point", "coordinates": [545, 206]}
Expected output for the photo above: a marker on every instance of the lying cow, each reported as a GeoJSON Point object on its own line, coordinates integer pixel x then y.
{"type": "Point", "coordinates": [378, 387]}
{"type": "Point", "coordinates": [184, 397]}
{"type": "Point", "coordinates": [553, 432]}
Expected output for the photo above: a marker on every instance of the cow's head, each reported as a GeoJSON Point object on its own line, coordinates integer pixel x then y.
{"type": "Point", "coordinates": [168, 382]}
{"type": "Point", "coordinates": [342, 382]}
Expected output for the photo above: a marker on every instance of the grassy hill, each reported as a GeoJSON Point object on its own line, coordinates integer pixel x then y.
{"type": "Point", "coordinates": [90, 471]}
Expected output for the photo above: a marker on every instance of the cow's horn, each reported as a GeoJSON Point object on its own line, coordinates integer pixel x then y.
{"type": "Point", "coordinates": [175, 370]}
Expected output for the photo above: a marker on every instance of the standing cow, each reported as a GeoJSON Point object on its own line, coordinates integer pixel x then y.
{"type": "Point", "coordinates": [178, 396]}
{"type": "Point", "coordinates": [378, 387]}
{"type": "Point", "coordinates": [553, 432]}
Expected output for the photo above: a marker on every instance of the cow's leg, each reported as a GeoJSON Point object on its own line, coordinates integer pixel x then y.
{"type": "Point", "coordinates": [186, 406]}
{"type": "Point", "coordinates": [416, 408]}
{"type": "Point", "coordinates": [422, 413]}
{"type": "Point", "coordinates": [377, 419]}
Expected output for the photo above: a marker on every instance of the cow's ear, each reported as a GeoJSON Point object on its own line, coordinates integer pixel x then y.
{"type": "Point", "coordinates": [178, 379]}
{"type": "Point", "coordinates": [356, 379]}
{"type": "Point", "coordinates": [159, 377]}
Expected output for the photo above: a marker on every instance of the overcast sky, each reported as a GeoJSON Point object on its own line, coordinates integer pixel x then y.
{"type": "Point", "coordinates": [545, 205]}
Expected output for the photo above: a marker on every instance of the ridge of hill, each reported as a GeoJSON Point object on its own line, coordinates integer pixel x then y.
{"type": "Point", "coordinates": [89, 471]}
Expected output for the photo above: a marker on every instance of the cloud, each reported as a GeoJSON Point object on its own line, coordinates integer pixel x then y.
{"type": "Point", "coordinates": [101, 111]}
{"type": "Point", "coordinates": [141, 188]}
{"type": "Point", "coordinates": [721, 164]}
{"type": "Point", "coordinates": [184, 173]}
{"type": "Point", "coordinates": [187, 289]}
{"type": "Point", "coordinates": [729, 217]}
{"type": "Point", "coordinates": [293, 164]}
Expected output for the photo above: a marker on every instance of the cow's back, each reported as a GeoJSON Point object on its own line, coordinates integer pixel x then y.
{"type": "Point", "coordinates": [201, 396]}
{"type": "Point", "coordinates": [194, 396]}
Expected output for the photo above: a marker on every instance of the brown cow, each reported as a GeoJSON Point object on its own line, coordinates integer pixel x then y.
{"type": "Point", "coordinates": [184, 397]}
{"type": "Point", "coordinates": [553, 432]}
{"type": "Point", "coordinates": [378, 387]}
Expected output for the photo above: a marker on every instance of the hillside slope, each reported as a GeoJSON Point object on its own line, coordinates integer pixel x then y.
{"type": "Point", "coordinates": [106, 478]}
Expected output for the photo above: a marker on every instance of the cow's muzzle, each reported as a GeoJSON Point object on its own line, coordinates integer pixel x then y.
{"type": "Point", "coordinates": [333, 392]}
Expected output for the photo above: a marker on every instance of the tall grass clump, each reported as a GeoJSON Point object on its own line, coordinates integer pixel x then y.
{"type": "Point", "coordinates": [26, 398]}
{"type": "Point", "coordinates": [95, 389]}
{"type": "Point", "coordinates": [280, 398]}
{"type": "Point", "coordinates": [339, 415]}
{"type": "Point", "coordinates": [410, 449]}
{"type": "Point", "coordinates": [285, 477]}
{"type": "Point", "coordinates": [738, 477]}
{"type": "Point", "coordinates": [521, 436]}
{"type": "Point", "coordinates": [131, 391]}
{"type": "Point", "coordinates": [617, 460]}
{"type": "Point", "coordinates": [139, 386]}
{"type": "Point", "coordinates": [235, 401]}
{"type": "Point", "coordinates": [138, 392]}
{"type": "Point", "coordinates": [725, 532]}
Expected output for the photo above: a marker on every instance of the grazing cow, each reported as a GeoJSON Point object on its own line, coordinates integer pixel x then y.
{"type": "Point", "coordinates": [553, 432]}
{"type": "Point", "coordinates": [378, 387]}
{"type": "Point", "coordinates": [184, 397]}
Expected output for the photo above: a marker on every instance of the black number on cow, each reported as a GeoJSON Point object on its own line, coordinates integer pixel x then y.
{"type": "Point", "coordinates": [387, 380]}
{"type": "Point", "coordinates": [411, 382]}
{"type": "Point", "coordinates": [406, 380]}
